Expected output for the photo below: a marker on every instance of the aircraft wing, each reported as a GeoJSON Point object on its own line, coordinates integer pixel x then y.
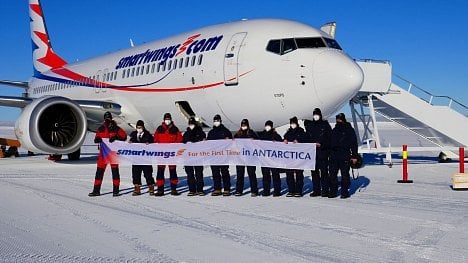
{"type": "Point", "coordinates": [18, 84]}
{"type": "Point", "coordinates": [94, 109]}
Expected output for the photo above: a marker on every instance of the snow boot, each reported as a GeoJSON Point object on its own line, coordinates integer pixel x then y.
{"type": "Point", "coordinates": [315, 193]}
{"type": "Point", "coordinates": [115, 191]}
{"type": "Point", "coordinates": [96, 191]}
{"type": "Point", "coordinates": [151, 189]}
{"type": "Point", "coordinates": [174, 192]}
{"type": "Point", "coordinates": [216, 193]}
{"type": "Point", "coordinates": [160, 192]}
{"type": "Point", "coordinates": [136, 190]}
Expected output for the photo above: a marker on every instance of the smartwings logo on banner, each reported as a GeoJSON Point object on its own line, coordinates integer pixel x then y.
{"type": "Point", "coordinates": [147, 153]}
{"type": "Point", "coordinates": [191, 46]}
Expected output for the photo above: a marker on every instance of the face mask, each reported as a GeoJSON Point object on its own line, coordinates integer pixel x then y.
{"type": "Point", "coordinates": [191, 126]}
{"type": "Point", "coordinates": [216, 123]}
{"type": "Point", "coordinates": [167, 122]}
{"type": "Point", "coordinates": [316, 117]}
{"type": "Point", "coordinates": [293, 126]}
{"type": "Point", "coordinates": [139, 130]}
{"type": "Point", "coordinates": [267, 128]}
{"type": "Point", "coordinates": [244, 128]}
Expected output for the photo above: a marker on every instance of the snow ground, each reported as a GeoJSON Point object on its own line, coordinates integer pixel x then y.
{"type": "Point", "coordinates": [46, 216]}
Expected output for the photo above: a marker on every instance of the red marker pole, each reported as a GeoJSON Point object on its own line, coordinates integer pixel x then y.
{"type": "Point", "coordinates": [405, 166]}
{"type": "Point", "coordinates": [462, 159]}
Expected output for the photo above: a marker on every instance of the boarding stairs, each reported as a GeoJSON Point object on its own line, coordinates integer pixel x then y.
{"type": "Point", "coordinates": [438, 119]}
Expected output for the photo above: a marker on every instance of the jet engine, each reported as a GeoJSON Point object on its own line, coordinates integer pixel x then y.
{"type": "Point", "coordinates": [52, 124]}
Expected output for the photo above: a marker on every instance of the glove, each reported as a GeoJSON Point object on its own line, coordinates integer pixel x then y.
{"type": "Point", "coordinates": [112, 139]}
{"type": "Point", "coordinates": [97, 140]}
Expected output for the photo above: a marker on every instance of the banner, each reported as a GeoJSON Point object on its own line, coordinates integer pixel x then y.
{"type": "Point", "coordinates": [218, 152]}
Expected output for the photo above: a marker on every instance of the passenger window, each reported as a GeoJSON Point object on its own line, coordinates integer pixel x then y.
{"type": "Point", "coordinates": [288, 45]}
{"type": "Point", "coordinates": [137, 71]}
{"type": "Point", "coordinates": [159, 67]}
{"type": "Point", "coordinates": [169, 64]}
{"type": "Point", "coordinates": [187, 61]}
{"type": "Point", "coordinates": [142, 70]}
{"type": "Point", "coordinates": [128, 72]}
{"type": "Point", "coordinates": [274, 46]}
{"type": "Point", "coordinates": [163, 66]}
{"type": "Point", "coordinates": [152, 68]}
{"type": "Point", "coordinates": [200, 59]}
{"type": "Point", "coordinates": [193, 61]}
{"type": "Point", "coordinates": [181, 62]}
{"type": "Point", "coordinates": [147, 69]}
{"type": "Point", "coordinates": [175, 63]}
{"type": "Point", "coordinates": [133, 72]}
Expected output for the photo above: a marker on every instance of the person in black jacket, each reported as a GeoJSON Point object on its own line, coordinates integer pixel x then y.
{"type": "Point", "coordinates": [270, 134]}
{"type": "Point", "coordinates": [219, 132]}
{"type": "Point", "coordinates": [319, 132]}
{"type": "Point", "coordinates": [194, 134]}
{"type": "Point", "coordinates": [246, 132]}
{"type": "Point", "coordinates": [295, 134]}
{"type": "Point", "coordinates": [141, 135]}
{"type": "Point", "coordinates": [343, 151]}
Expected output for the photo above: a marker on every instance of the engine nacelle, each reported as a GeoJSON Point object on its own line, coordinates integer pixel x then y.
{"type": "Point", "coordinates": [52, 124]}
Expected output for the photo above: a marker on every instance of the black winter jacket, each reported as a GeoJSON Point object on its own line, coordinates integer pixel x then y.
{"type": "Point", "coordinates": [271, 135]}
{"type": "Point", "coordinates": [195, 135]}
{"type": "Point", "coordinates": [246, 134]}
{"type": "Point", "coordinates": [343, 142]}
{"type": "Point", "coordinates": [145, 138]}
{"type": "Point", "coordinates": [319, 132]}
{"type": "Point", "coordinates": [295, 134]}
{"type": "Point", "coordinates": [219, 133]}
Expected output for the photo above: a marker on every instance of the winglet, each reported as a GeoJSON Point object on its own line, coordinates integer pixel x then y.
{"type": "Point", "coordinates": [44, 58]}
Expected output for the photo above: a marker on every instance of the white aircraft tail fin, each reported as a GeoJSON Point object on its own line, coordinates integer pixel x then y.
{"type": "Point", "coordinates": [44, 57]}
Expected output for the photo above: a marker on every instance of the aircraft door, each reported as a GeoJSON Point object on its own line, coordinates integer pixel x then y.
{"type": "Point", "coordinates": [231, 59]}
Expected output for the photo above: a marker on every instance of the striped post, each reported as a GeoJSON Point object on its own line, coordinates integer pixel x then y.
{"type": "Point", "coordinates": [405, 166]}
{"type": "Point", "coordinates": [462, 159]}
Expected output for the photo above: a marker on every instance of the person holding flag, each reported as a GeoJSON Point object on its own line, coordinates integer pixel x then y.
{"type": "Point", "coordinates": [109, 129]}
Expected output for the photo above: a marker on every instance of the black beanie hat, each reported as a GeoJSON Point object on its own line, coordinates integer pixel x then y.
{"type": "Point", "coordinates": [107, 115]}
{"type": "Point", "coordinates": [245, 122]}
{"type": "Point", "coordinates": [140, 123]}
{"type": "Point", "coordinates": [317, 111]}
{"type": "Point", "coordinates": [167, 116]}
{"type": "Point", "coordinates": [269, 123]}
{"type": "Point", "coordinates": [217, 118]}
{"type": "Point", "coordinates": [293, 120]}
{"type": "Point", "coordinates": [341, 116]}
{"type": "Point", "coordinates": [192, 121]}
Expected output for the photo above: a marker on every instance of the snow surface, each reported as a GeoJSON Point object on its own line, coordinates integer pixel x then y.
{"type": "Point", "coordinates": [46, 216]}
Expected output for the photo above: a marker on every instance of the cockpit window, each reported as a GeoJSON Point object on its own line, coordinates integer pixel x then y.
{"type": "Point", "coordinates": [331, 43]}
{"type": "Point", "coordinates": [286, 45]}
{"type": "Point", "coordinates": [274, 46]}
{"type": "Point", "coordinates": [310, 42]}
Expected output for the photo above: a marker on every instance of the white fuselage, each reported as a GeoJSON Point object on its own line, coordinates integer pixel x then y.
{"type": "Point", "coordinates": [232, 74]}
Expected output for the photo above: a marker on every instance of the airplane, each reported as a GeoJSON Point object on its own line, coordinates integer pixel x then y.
{"type": "Point", "coordinates": [261, 69]}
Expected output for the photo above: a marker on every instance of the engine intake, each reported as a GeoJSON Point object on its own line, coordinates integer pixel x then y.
{"type": "Point", "coordinates": [52, 124]}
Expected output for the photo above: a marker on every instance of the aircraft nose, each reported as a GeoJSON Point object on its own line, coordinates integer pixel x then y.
{"type": "Point", "coordinates": [336, 78]}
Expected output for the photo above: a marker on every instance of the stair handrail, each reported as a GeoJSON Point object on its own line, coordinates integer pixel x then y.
{"type": "Point", "coordinates": [432, 96]}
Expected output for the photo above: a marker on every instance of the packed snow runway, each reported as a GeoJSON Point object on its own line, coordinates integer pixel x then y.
{"type": "Point", "coordinates": [46, 216]}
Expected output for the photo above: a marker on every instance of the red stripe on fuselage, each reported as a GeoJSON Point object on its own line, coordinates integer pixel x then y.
{"type": "Point", "coordinates": [168, 89]}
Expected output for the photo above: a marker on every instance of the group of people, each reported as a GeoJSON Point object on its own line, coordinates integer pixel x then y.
{"type": "Point", "coordinates": [336, 149]}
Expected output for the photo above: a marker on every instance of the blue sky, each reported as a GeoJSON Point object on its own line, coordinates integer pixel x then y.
{"type": "Point", "coordinates": [426, 41]}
